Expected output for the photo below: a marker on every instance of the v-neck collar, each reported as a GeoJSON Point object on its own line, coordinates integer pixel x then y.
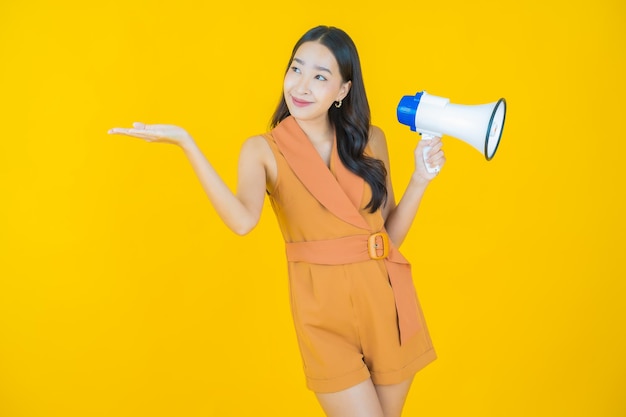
{"type": "Point", "coordinates": [336, 188]}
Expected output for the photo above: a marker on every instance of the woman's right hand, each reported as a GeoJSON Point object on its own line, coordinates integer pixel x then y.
{"type": "Point", "coordinates": [155, 133]}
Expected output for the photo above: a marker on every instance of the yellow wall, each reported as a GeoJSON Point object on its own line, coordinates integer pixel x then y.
{"type": "Point", "coordinates": [122, 294]}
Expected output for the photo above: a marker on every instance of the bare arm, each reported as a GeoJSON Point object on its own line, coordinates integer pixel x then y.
{"type": "Point", "coordinates": [241, 211]}
{"type": "Point", "coordinates": [399, 217]}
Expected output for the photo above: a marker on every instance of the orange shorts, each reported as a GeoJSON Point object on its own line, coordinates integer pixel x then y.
{"type": "Point", "coordinates": [346, 324]}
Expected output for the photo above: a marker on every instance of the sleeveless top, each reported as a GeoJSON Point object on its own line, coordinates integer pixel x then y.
{"type": "Point", "coordinates": [318, 207]}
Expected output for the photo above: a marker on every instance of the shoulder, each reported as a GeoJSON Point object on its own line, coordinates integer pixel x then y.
{"type": "Point", "coordinates": [377, 142]}
{"type": "Point", "coordinates": [256, 145]}
{"type": "Point", "coordinates": [255, 141]}
{"type": "Point", "coordinates": [256, 150]}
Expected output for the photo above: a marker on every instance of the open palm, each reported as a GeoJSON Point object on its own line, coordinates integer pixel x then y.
{"type": "Point", "coordinates": [161, 133]}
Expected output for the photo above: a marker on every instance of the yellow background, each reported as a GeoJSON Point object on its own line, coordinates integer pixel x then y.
{"type": "Point", "coordinates": [122, 294]}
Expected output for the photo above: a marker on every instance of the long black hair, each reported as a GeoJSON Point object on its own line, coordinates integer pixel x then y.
{"type": "Point", "coordinates": [352, 120]}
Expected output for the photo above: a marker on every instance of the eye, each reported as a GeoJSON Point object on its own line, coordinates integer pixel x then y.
{"type": "Point", "coordinates": [320, 77]}
{"type": "Point", "coordinates": [295, 69]}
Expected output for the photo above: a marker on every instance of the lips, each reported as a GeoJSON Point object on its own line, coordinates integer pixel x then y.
{"type": "Point", "coordinates": [300, 103]}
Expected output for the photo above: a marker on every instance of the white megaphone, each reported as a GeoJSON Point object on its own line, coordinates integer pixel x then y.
{"type": "Point", "coordinates": [480, 125]}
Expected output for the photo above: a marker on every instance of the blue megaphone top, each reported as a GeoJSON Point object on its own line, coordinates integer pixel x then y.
{"type": "Point", "coordinates": [407, 108]}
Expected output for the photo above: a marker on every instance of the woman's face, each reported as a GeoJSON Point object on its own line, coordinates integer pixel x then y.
{"type": "Point", "coordinates": [313, 82]}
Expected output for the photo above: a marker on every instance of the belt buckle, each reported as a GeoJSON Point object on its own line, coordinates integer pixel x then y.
{"type": "Point", "coordinates": [373, 246]}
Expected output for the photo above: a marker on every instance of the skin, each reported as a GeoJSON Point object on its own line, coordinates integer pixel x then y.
{"type": "Point", "coordinates": [311, 85]}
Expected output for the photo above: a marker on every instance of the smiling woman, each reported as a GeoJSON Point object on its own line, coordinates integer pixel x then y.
{"type": "Point", "coordinates": [314, 86]}
{"type": "Point", "coordinates": [360, 329]}
{"type": "Point", "coordinates": [122, 294]}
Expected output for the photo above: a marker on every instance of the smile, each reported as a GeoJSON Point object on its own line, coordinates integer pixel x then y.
{"type": "Point", "coordinates": [299, 103]}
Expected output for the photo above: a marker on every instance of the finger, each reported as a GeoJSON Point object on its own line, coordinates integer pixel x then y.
{"type": "Point", "coordinates": [438, 161]}
{"type": "Point", "coordinates": [137, 133]}
{"type": "Point", "coordinates": [433, 143]}
{"type": "Point", "coordinates": [145, 135]}
{"type": "Point", "coordinates": [436, 150]}
{"type": "Point", "coordinates": [144, 126]}
{"type": "Point", "coordinates": [118, 131]}
{"type": "Point", "coordinates": [436, 158]}
{"type": "Point", "coordinates": [436, 144]}
{"type": "Point", "coordinates": [126, 131]}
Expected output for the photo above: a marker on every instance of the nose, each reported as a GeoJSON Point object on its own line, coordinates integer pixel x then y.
{"type": "Point", "coordinates": [303, 86]}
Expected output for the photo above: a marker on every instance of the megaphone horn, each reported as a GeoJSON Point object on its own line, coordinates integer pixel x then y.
{"type": "Point", "coordinates": [478, 125]}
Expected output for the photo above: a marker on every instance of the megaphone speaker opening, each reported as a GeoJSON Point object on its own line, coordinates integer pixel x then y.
{"type": "Point", "coordinates": [495, 128]}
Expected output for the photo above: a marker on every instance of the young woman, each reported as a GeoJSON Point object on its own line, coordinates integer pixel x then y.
{"type": "Point", "coordinates": [325, 168]}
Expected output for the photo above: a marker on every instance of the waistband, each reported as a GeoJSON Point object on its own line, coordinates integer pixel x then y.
{"type": "Point", "coordinates": [343, 250]}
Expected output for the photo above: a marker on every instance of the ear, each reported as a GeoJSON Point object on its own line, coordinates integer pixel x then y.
{"type": "Point", "coordinates": [344, 90]}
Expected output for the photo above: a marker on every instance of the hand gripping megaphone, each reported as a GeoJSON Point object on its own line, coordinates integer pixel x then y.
{"type": "Point", "coordinates": [479, 125]}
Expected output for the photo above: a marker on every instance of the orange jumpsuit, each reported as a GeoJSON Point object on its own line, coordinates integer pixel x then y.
{"type": "Point", "coordinates": [353, 302]}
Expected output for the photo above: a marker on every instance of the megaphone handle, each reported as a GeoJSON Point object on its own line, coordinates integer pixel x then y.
{"type": "Point", "coordinates": [429, 168]}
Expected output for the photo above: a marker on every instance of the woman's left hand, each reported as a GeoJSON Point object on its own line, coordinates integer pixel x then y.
{"type": "Point", "coordinates": [434, 157]}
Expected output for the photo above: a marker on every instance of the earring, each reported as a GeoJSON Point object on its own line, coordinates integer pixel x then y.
{"type": "Point", "coordinates": [338, 103]}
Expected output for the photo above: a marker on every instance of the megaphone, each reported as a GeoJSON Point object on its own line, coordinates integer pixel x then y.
{"type": "Point", "coordinates": [478, 125]}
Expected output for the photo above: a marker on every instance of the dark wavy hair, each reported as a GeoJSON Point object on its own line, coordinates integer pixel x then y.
{"type": "Point", "coordinates": [352, 120]}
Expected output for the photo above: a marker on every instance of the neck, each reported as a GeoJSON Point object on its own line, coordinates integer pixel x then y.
{"type": "Point", "coordinates": [317, 131]}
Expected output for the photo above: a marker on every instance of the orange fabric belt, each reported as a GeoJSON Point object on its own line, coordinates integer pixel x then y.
{"type": "Point", "coordinates": [360, 248]}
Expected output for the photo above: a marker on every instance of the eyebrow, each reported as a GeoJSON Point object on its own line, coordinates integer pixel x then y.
{"type": "Point", "coordinates": [317, 67]}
